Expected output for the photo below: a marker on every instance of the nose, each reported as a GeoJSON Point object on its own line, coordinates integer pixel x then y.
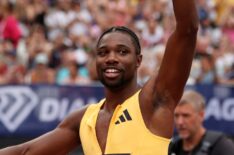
{"type": "Point", "coordinates": [179, 120]}
{"type": "Point", "coordinates": [111, 58]}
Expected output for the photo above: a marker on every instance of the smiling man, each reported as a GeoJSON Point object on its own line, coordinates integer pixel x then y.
{"type": "Point", "coordinates": [131, 119]}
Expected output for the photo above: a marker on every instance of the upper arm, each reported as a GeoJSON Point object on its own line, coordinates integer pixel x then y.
{"type": "Point", "coordinates": [176, 64]}
{"type": "Point", "coordinates": [171, 78]}
{"type": "Point", "coordinates": [60, 141]}
{"type": "Point", "coordinates": [162, 92]}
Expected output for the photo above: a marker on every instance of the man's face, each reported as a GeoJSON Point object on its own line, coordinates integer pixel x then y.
{"type": "Point", "coordinates": [188, 120]}
{"type": "Point", "coordinates": [116, 60]}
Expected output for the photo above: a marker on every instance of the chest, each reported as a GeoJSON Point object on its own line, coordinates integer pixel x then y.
{"type": "Point", "coordinates": [123, 132]}
{"type": "Point", "coordinates": [102, 128]}
{"type": "Point", "coordinates": [113, 129]}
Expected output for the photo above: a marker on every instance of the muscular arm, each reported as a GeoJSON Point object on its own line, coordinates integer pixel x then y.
{"type": "Point", "coordinates": [179, 52]}
{"type": "Point", "coordinates": [162, 92]}
{"type": "Point", "coordinates": [177, 60]}
{"type": "Point", "coordinates": [60, 141]}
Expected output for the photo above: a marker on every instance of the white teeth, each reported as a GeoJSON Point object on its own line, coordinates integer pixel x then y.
{"type": "Point", "coordinates": [111, 70]}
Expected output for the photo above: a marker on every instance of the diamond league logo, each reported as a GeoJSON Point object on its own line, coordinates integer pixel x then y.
{"type": "Point", "coordinates": [16, 103]}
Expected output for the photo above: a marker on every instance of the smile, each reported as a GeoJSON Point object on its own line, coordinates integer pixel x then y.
{"type": "Point", "coordinates": [111, 72]}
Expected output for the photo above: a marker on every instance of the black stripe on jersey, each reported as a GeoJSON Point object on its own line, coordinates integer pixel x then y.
{"type": "Point", "coordinates": [117, 122]}
{"type": "Point", "coordinates": [129, 118]}
{"type": "Point", "coordinates": [122, 119]}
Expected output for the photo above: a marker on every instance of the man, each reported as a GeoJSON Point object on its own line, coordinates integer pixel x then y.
{"type": "Point", "coordinates": [194, 138]}
{"type": "Point", "coordinates": [131, 119]}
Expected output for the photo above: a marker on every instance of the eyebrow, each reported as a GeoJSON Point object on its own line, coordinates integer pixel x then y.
{"type": "Point", "coordinates": [118, 45]}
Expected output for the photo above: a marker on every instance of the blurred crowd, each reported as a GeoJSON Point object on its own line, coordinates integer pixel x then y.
{"type": "Point", "coordinates": [53, 41]}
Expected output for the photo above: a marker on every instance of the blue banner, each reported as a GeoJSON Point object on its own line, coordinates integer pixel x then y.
{"type": "Point", "coordinates": [31, 110]}
{"type": "Point", "coordinates": [219, 114]}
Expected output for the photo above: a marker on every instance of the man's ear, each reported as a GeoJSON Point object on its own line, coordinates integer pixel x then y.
{"type": "Point", "coordinates": [202, 115]}
{"type": "Point", "coordinates": [139, 59]}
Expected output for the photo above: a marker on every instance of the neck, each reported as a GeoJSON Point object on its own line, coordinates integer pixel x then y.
{"type": "Point", "coordinates": [116, 97]}
{"type": "Point", "coordinates": [190, 143]}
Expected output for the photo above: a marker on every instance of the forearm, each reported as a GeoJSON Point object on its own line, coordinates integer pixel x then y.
{"type": "Point", "coordinates": [57, 142]}
{"type": "Point", "coordinates": [14, 150]}
{"type": "Point", "coordinates": [179, 51]}
{"type": "Point", "coordinates": [186, 15]}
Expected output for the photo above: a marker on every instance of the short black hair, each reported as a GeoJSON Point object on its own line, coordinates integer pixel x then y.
{"type": "Point", "coordinates": [125, 30]}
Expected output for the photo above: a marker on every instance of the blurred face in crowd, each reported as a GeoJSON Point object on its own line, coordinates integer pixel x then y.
{"type": "Point", "coordinates": [116, 60]}
{"type": "Point", "coordinates": [206, 64]}
{"type": "Point", "coordinates": [188, 120]}
{"type": "Point", "coordinates": [73, 69]}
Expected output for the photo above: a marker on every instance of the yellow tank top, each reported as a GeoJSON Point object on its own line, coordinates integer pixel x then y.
{"type": "Point", "coordinates": [127, 133]}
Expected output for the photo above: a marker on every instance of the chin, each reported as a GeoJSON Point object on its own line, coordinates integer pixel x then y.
{"type": "Point", "coordinates": [184, 135]}
{"type": "Point", "coordinates": [112, 84]}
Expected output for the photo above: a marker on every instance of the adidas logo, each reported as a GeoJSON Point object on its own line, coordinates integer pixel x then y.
{"type": "Point", "coordinates": [124, 117]}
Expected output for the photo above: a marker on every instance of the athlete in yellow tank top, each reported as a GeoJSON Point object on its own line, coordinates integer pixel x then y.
{"type": "Point", "coordinates": [132, 119]}
{"type": "Point", "coordinates": [127, 132]}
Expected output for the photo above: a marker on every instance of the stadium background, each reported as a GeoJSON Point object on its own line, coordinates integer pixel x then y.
{"type": "Point", "coordinates": [47, 51]}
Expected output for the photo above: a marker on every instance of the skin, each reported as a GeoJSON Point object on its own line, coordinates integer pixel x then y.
{"type": "Point", "coordinates": [158, 97]}
{"type": "Point", "coordinates": [188, 121]}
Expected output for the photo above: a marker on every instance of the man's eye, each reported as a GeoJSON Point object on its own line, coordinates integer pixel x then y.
{"type": "Point", "coordinates": [122, 51]}
{"type": "Point", "coordinates": [186, 116]}
{"type": "Point", "coordinates": [101, 53]}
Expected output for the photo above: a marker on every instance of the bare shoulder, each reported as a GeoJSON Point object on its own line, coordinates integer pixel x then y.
{"type": "Point", "coordinates": [72, 121]}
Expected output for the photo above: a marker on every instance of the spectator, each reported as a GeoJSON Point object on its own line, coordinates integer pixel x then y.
{"type": "Point", "coordinates": [229, 78]}
{"type": "Point", "coordinates": [51, 26]}
{"type": "Point", "coordinates": [9, 28]}
{"type": "Point", "coordinates": [37, 43]}
{"type": "Point", "coordinates": [3, 70]}
{"type": "Point", "coordinates": [208, 71]}
{"type": "Point", "coordinates": [41, 74]}
{"type": "Point", "coordinates": [74, 77]}
{"type": "Point", "coordinates": [153, 34]}
{"type": "Point", "coordinates": [194, 138]}
{"type": "Point", "coordinates": [11, 70]}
